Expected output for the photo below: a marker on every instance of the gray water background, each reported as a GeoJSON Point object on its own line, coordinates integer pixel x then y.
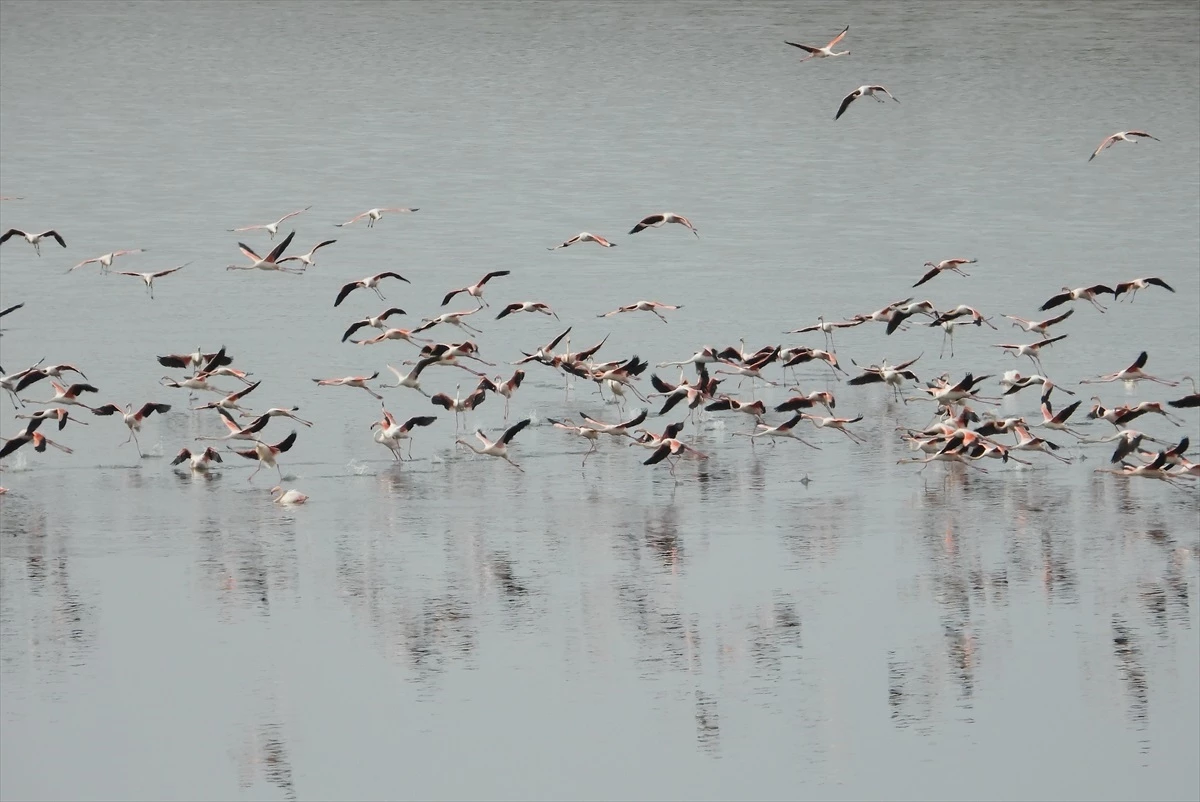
{"type": "Point", "coordinates": [452, 628]}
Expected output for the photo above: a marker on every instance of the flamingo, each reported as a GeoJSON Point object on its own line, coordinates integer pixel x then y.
{"type": "Point", "coordinates": [901, 313]}
{"type": "Point", "coordinates": [308, 259]}
{"type": "Point", "coordinates": [809, 400]}
{"type": "Point", "coordinates": [200, 361]}
{"type": "Point", "coordinates": [352, 381]}
{"type": "Point", "coordinates": [1132, 373]}
{"type": "Point", "coordinates": [1136, 284]}
{"type": "Point", "coordinates": [954, 265]}
{"type": "Point", "coordinates": [1187, 401]}
{"type": "Point", "coordinates": [68, 395]}
{"type": "Point", "coordinates": [1015, 382]}
{"type": "Point", "coordinates": [643, 306]}
{"type": "Point", "coordinates": [586, 432]}
{"type": "Point", "coordinates": [412, 379]}
{"type": "Point", "coordinates": [10, 382]}
{"type": "Point", "coordinates": [866, 90]}
{"type": "Point", "coordinates": [826, 327]}
{"type": "Point", "coordinates": [839, 424]}
{"type": "Point", "coordinates": [377, 321]}
{"type": "Point", "coordinates": [373, 216]}
{"type": "Point", "coordinates": [672, 450]}
{"type": "Point", "coordinates": [60, 414]}
{"type": "Point", "coordinates": [620, 429]}
{"type": "Point", "coordinates": [33, 239]}
{"type": "Point", "coordinates": [1153, 470]}
{"type": "Point", "coordinates": [268, 454]}
{"type": "Point", "coordinates": [728, 403]}
{"type": "Point", "coordinates": [271, 228]}
{"type": "Point", "coordinates": [280, 412]}
{"type": "Point", "coordinates": [1028, 442]}
{"type": "Point", "coordinates": [148, 278]}
{"type": "Point", "coordinates": [1031, 350]}
{"type": "Point", "coordinates": [392, 334]}
{"type": "Point", "coordinates": [1079, 294]}
{"type": "Point", "coordinates": [270, 262]}
{"type": "Point", "coordinates": [659, 220]}
{"type": "Point", "coordinates": [199, 462]}
{"type": "Point", "coordinates": [785, 429]}
{"type": "Point", "coordinates": [585, 237]}
{"type": "Point", "coordinates": [503, 388]}
{"type": "Point", "coordinates": [133, 419]}
{"type": "Point", "coordinates": [368, 283]}
{"type": "Point", "coordinates": [527, 306]}
{"type": "Point", "coordinates": [106, 260]}
{"type": "Point", "coordinates": [287, 498]}
{"type": "Point", "coordinates": [457, 404]}
{"type": "Point", "coordinates": [1120, 136]}
{"type": "Point", "coordinates": [30, 436]}
{"type": "Point", "coordinates": [476, 290]}
{"type": "Point", "coordinates": [236, 432]}
{"type": "Point", "coordinates": [36, 374]}
{"type": "Point", "coordinates": [822, 52]}
{"type": "Point", "coordinates": [1038, 326]}
{"type": "Point", "coordinates": [450, 318]}
{"type": "Point", "coordinates": [1058, 422]}
{"type": "Point", "coordinates": [230, 401]}
{"type": "Point", "coordinates": [391, 433]}
{"type": "Point", "coordinates": [499, 448]}
{"type": "Point", "coordinates": [892, 376]}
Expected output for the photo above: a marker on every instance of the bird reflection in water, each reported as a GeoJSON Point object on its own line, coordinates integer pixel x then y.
{"type": "Point", "coordinates": [265, 750]}
{"type": "Point", "coordinates": [1129, 663]}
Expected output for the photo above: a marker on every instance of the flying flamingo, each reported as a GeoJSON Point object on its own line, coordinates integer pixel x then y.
{"type": "Point", "coordinates": [1132, 287]}
{"type": "Point", "coordinates": [839, 424]}
{"type": "Point", "coordinates": [377, 322]}
{"type": "Point", "coordinates": [351, 381]}
{"type": "Point", "coordinates": [866, 90]}
{"type": "Point", "coordinates": [1187, 401]}
{"type": "Point", "coordinates": [60, 414]}
{"type": "Point", "coordinates": [1120, 136]}
{"type": "Point", "coordinates": [1031, 350]}
{"type": "Point", "coordinates": [643, 306]}
{"type": "Point", "coordinates": [822, 52]}
{"type": "Point", "coordinates": [308, 259]}
{"type": "Point", "coordinates": [391, 334]}
{"type": "Point", "coordinates": [451, 318]}
{"type": "Point", "coordinates": [585, 237]}
{"type": "Point", "coordinates": [106, 260]}
{"type": "Point", "coordinates": [148, 278]}
{"type": "Point", "coordinates": [944, 265]}
{"type": "Point", "coordinates": [33, 239]}
{"type": "Point", "coordinates": [412, 379]}
{"type": "Point", "coordinates": [392, 433]}
{"type": "Point", "coordinates": [587, 432]}
{"type": "Point", "coordinates": [236, 432]}
{"type": "Point", "coordinates": [271, 260]}
{"type": "Point", "coordinates": [30, 436]}
{"type": "Point", "coordinates": [527, 306]}
{"type": "Point", "coordinates": [1038, 326]}
{"type": "Point", "coordinates": [1079, 294]}
{"type": "Point", "coordinates": [785, 429]}
{"type": "Point", "coordinates": [268, 454]}
{"type": "Point", "coordinates": [373, 216]}
{"type": "Point", "coordinates": [826, 327]}
{"type": "Point", "coordinates": [503, 388]}
{"type": "Point", "coordinates": [368, 283]}
{"type": "Point", "coordinates": [280, 412]}
{"type": "Point", "coordinates": [133, 419]}
{"type": "Point", "coordinates": [272, 228]}
{"type": "Point", "coordinates": [68, 395]}
{"type": "Point", "coordinates": [459, 405]}
{"type": "Point", "coordinates": [1132, 373]}
{"type": "Point", "coordinates": [199, 361]}
{"type": "Point", "coordinates": [499, 448]}
{"type": "Point", "coordinates": [230, 401]}
{"type": "Point", "coordinates": [659, 220]}
{"type": "Point", "coordinates": [476, 290]}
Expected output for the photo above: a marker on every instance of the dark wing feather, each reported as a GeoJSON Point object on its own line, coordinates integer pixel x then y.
{"type": "Point", "coordinates": [512, 431]}
{"type": "Point", "coordinates": [846, 101]}
{"type": "Point", "coordinates": [278, 250]}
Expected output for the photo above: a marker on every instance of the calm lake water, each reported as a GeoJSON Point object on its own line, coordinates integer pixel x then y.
{"type": "Point", "coordinates": [453, 628]}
